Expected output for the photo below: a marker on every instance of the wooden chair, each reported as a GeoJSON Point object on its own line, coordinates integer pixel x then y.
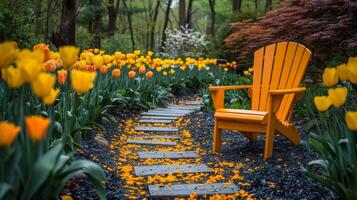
{"type": "Point", "coordinates": [277, 72]}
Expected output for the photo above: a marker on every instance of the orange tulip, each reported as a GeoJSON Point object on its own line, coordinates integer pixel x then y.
{"type": "Point", "coordinates": [149, 74]}
{"type": "Point", "coordinates": [8, 133]}
{"type": "Point", "coordinates": [44, 48]}
{"type": "Point", "coordinates": [142, 70]}
{"type": "Point", "coordinates": [132, 74]}
{"type": "Point", "coordinates": [104, 69]}
{"type": "Point", "coordinates": [116, 73]}
{"type": "Point", "coordinates": [36, 127]}
{"type": "Point", "coordinates": [50, 66]}
{"type": "Point", "coordinates": [62, 76]}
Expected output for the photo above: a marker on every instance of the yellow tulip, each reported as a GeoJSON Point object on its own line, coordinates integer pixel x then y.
{"type": "Point", "coordinates": [351, 120]}
{"type": "Point", "coordinates": [8, 133]}
{"type": "Point", "coordinates": [69, 55]}
{"type": "Point", "coordinates": [137, 52]}
{"type": "Point", "coordinates": [330, 77]}
{"type": "Point", "coordinates": [172, 71]}
{"type": "Point", "coordinates": [150, 53]}
{"type": "Point", "coordinates": [43, 84]}
{"type": "Point", "coordinates": [337, 96]}
{"type": "Point", "coordinates": [8, 51]}
{"type": "Point", "coordinates": [246, 72]}
{"type": "Point", "coordinates": [82, 81]}
{"type": "Point", "coordinates": [97, 61]}
{"type": "Point", "coordinates": [250, 69]}
{"type": "Point", "coordinates": [14, 77]}
{"type": "Point", "coordinates": [352, 70]}
{"type": "Point", "coordinates": [36, 127]}
{"type": "Point", "coordinates": [322, 103]}
{"type": "Point", "coordinates": [51, 98]}
{"type": "Point", "coordinates": [3, 74]}
{"type": "Point", "coordinates": [30, 64]}
{"type": "Point", "coordinates": [164, 73]}
{"type": "Point", "coordinates": [342, 72]}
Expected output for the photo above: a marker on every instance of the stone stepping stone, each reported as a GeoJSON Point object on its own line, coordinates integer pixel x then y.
{"type": "Point", "coordinates": [162, 114]}
{"type": "Point", "coordinates": [193, 103]}
{"type": "Point", "coordinates": [171, 154]}
{"type": "Point", "coordinates": [158, 136]}
{"type": "Point", "coordinates": [170, 169]}
{"type": "Point", "coordinates": [173, 110]}
{"type": "Point", "coordinates": [150, 142]}
{"type": "Point", "coordinates": [163, 121]}
{"type": "Point", "coordinates": [186, 189]}
{"type": "Point", "coordinates": [182, 107]}
{"type": "Point", "coordinates": [159, 117]}
{"type": "Point", "coordinates": [156, 129]}
{"type": "Point", "coordinates": [169, 112]}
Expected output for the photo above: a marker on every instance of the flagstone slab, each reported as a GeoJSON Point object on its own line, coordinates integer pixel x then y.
{"type": "Point", "coordinates": [193, 102]}
{"type": "Point", "coordinates": [156, 129]}
{"type": "Point", "coordinates": [170, 169]}
{"type": "Point", "coordinates": [158, 136]}
{"type": "Point", "coordinates": [150, 142]}
{"type": "Point", "coordinates": [173, 110]}
{"type": "Point", "coordinates": [163, 121]}
{"type": "Point", "coordinates": [181, 190]}
{"type": "Point", "coordinates": [171, 154]}
{"type": "Point", "coordinates": [162, 114]}
{"type": "Point", "coordinates": [185, 107]}
{"type": "Point", "coordinates": [159, 117]}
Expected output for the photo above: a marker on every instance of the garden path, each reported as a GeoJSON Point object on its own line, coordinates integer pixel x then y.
{"type": "Point", "coordinates": [159, 160]}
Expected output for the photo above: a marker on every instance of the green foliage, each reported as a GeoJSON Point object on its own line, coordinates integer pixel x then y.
{"type": "Point", "coordinates": [337, 147]}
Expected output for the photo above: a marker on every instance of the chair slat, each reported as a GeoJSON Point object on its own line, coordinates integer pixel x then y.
{"type": "Point", "coordinates": [289, 58]}
{"type": "Point", "coordinates": [287, 103]}
{"type": "Point", "coordinates": [257, 77]}
{"type": "Point", "coordinates": [268, 65]}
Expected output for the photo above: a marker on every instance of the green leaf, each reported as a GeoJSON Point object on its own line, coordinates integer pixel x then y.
{"type": "Point", "coordinates": [4, 189]}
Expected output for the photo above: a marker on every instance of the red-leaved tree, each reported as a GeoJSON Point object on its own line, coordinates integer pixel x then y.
{"type": "Point", "coordinates": [327, 27]}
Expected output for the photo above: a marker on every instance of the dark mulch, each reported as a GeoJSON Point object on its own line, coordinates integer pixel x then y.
{"type": "Point", "coordinates": [277, 178]}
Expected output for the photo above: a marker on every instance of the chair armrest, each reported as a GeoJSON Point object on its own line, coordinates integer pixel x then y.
{"type": "Point", "coordinates": [276, 97]}
{"type": "Point", "coordinates": [231, 87]}
{"type": "Point", "coordinates": [287, 91]}
{"type": "Point", "coordinates": [217, 93]}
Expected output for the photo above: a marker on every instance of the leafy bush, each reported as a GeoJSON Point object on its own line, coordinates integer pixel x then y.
{"type": "Point", "coordinates": [327, 27]}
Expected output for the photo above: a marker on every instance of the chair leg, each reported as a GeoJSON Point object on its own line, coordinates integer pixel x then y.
{"type": "Point", "coordinates": [268, 150]}
{"type": "Point", "coordinates": [217, 141]}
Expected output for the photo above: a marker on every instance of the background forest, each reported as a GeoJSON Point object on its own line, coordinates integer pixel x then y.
{"type": "Point", "coordinates": [121, 24]}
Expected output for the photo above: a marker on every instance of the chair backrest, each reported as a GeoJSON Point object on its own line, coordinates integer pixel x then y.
{"type": "Point", "coordinates": [278, 66]}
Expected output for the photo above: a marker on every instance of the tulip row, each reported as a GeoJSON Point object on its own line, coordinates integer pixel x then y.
{"type": "Point", "coordinates": [336, 140]}
{"type": "Point", "coordinates": [337, 96]}
{"type": "Point", "coordinates": [68, 91]}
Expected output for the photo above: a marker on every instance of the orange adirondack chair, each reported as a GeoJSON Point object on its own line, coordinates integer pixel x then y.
{"type": "Point", "coordinates": [277, 72]}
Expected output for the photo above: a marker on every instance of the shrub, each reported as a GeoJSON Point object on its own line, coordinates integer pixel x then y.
{"type": "Point", "coordinates": [327, 27]}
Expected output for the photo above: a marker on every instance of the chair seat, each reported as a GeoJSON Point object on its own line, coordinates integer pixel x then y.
{"type": "Point", "coordinates": [241, 115]}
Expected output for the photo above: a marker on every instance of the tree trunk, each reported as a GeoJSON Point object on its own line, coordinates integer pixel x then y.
{"type": "Point", "coordinates": [47, 22]}
{"type": "Point", "coordinates": [97, 25]}
{"type": "Point", "coordinates": [268, 5]}
{"type": "Point", "coordinates": [189, 14]}
{"type": "Point", "coordinates": [112, 16]}
{"type": "Point", "coordinates": [236, 5]}
{"type": "Point", "coordinates": [67, 32]}
{"type": "Point", "coordinates": [213, 18]}
{"type": "Point", "coordinates": [167, 16]}
{"type": "Point", "coordinates": [38, 11]}
{"type": "Point", "coordinates": [152, 31]}
{"type": "Point", "coordinates": [130, 27]}
{"type": "Point", "coordinates": [182, 13]}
